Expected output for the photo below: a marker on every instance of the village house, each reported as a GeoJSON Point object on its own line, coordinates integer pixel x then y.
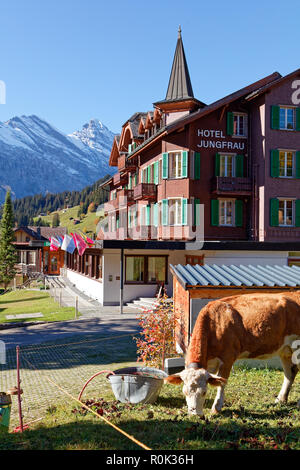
{"type": "Point", "coordinates": [33, 251]}
{"type": "Point", "coordinates": [198, 184]}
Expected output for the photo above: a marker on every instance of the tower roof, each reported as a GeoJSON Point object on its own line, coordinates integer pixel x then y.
{"type": "Point", "coordinates": [180, 86]}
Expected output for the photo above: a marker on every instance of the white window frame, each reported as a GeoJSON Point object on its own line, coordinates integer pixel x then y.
{"type": "Point", "coordinates": [285, 163]}
{"type": "Point", "coordinates": [231, 155]}
{"type": "Point", "coordinates": [179, 156]}
{"type": "Point", "coordinates": [233, 212]}
{"type": "Point", "coordinates": [286, 108]}
{"type": "Point", "coordinates": [245, 119]}
{"type": "Point", "coordinates": [285, 200]}
{"type": "Point", "coordinates": [177, 221]}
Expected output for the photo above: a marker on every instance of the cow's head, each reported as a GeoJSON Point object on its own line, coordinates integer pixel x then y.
{"type": "Point", "coordinates": [195, 387]}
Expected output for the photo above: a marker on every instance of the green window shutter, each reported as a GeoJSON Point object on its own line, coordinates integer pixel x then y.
{"type": "Point", "coordinates": [129, 181]}
{"type": "Point", "coordinates": [275, 111]}
{"type": "Point", "coordinates": [298, 164]}
{"type": "Point", "coordinates": [297, 119]}
{"type": "Point", "coordinates": [165, 214]}
{"type": "Point", "coordinates": [275, 163]}
{"type": "Point", "coordinates": [297, 212]}
{"type": "Point", "coordinates": [197, 166]}
{"type": "Point", "coordinates": [148, 215]}
{"type": "Point", "coordinates": [165, 169]}
{"type": "Point", "coordinates": [185, 164]}
{"type": "Point", "coordinates": [118, 222]}
{"type": "Point", "coordinates": [156, 172]}
{"type": "Point", "coordinates": [230, 123]}
{"type": "Point", "coordinates": [238, 213]}
{"type": "Point", "coordinates": [196, 212]}
{"type": "Point", "coordinates": [215, 212]}
{"type": "Point", "coordinates": [217, 165]}
{"type": "Point", "coordinates": [155, 215]}
{"type": "Point", "coordinates": [129, 148]}
{"type": "Point", "coordinates": [149, 174]}
{"type": "Point", "coordinates": [274, 212]}
{"type": "Point", "coordinates": [135, 179]}
{"type": "Point", "coordinates": [239, 165]}
{"type": "Point", "coordinates": [184, 207]}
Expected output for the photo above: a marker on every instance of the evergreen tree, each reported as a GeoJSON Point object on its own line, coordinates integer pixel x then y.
{"type": "Point", "coordinates": [55, 220]}
{"type": "Point", "coordinates": [8, 254]}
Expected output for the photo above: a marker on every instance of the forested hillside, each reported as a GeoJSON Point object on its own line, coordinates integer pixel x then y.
{"type": "Point", "coordinates": [26, 208]}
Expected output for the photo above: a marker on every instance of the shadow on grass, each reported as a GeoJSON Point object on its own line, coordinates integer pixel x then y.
{"type": "Point", "coordinates": [186, 434]}
{"type": "Point", "coordinates": [21, 300]}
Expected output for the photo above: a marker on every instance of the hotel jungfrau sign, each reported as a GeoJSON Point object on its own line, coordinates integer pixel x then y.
{"type": "Point", "coordinates": [211, 138]}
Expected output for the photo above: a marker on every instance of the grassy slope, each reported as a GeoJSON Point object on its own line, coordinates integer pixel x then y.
{"type": "Point", "coordinates": [31, 301]}
{"type": "Point", "coordinates": [87, 222]}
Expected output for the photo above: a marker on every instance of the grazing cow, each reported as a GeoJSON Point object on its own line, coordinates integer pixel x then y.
{"type": "Point", "coordinates": [242, 326]}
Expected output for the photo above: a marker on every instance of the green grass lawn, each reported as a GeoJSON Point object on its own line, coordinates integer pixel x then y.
{"type": "Point", "coordinates": [33, 301]}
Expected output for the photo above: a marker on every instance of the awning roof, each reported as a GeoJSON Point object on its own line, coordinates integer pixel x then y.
{"type": "Point", "coordinates": [237, 275]}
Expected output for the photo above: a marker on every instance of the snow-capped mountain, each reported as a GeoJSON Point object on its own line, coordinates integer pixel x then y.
{"type": "Point", "coordinates": [35, 157]}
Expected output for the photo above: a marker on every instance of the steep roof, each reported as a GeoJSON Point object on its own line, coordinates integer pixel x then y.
{"type": "Point", "coordinates": [180, 86]}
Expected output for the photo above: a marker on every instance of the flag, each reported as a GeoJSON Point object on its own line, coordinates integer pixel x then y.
{"type": "Point", "coordinates": [54, 244]}
{"type": "Point", "coordinates": [80, 243]}
{"type": "Point", "coordinates": [60, 239]}
{"type": "Point", "coordinates": [87, 240]}
{"type": "Point", "coordinates": [68, 244]}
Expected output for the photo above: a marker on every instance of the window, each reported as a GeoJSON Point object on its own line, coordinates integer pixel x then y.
{"type": "Point", "coordinates": [175, 165]}
{"type": "Point", "coordinates": [132, 216]}
{"type": "Point", "coordinates": [31, 257]}
{"type": "Point", "coordinates": [286, 164]}
{"type": "Point", "coordinates": [240, 124]}
{"type": "Point", "coordinates": [226, 212]}
{"type": "Point", "coordinates": [227, 167]}
{"type": "Point", "coordinates": [156, 269]}
{"type": "Point", "coordinates": [145, 269]}
{"type": "Point", "coordinates": [286, 118]}
{"type": "Point", "coordinates": [286, 212]}
{"type": "Point", "coordinates": [175, 211]}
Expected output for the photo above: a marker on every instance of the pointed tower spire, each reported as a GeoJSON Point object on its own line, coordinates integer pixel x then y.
{"type": "Point", "coordinates": [180, 96]}
{"type": "Point", "coordinates": [180, 86]}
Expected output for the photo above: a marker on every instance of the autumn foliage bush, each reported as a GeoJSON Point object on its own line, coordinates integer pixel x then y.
{"type": "Point", "coordinates": [157, 338]}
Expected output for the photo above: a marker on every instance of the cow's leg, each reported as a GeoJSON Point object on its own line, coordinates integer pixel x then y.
{"type": "Point", "coordinates": [224, 372]}
{"type": "Point", "coordinates": [290, 371]}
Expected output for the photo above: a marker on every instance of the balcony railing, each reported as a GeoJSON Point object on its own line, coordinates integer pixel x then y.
{"type": "Point", "coordinates": [232, 185]}
{"type": "Point", "coordinates": [125, 196]}
{"type": "Point", "coordinates": [145, 191]}
{"type": "Point", "coordinates": [126, 165]}
{"type": "Point", "coordinates": [119, 179]}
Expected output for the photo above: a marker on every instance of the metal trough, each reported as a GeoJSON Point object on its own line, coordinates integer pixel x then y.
{"type": "Point", "coordinates": [137, 384]}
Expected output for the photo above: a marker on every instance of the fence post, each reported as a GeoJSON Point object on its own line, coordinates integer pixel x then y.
{"type": "Point", "coordinates": [60, 294]}
{"type": "Point", "coordinates": [76, 306]}
{"type": "Point", "coordinates": [19, 388]}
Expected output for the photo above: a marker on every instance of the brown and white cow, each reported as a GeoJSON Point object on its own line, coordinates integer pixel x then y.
{"type": "Point", "coordinates": [243, 326]}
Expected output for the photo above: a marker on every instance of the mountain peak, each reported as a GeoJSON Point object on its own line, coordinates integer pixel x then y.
{"type": "Point", "coordinates": [94, 134]}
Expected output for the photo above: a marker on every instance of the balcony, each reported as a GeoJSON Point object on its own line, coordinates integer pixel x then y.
{"type": "Point", "coordinates": [120, 179]}
{"type": "Point", "coordinates": [125, 197]}
{"type": "Point", "coordinates": [223, 185]}
{"type": "Point", "coordinates": [127, 165]}
{"type": "Point", "coordinates": [111, 206]}
{"type": "Point", "coordinates": [145, 191]}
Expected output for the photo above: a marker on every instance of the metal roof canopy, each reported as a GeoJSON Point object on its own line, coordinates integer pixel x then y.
{"type": "Point", "coordinates": [237, 275]}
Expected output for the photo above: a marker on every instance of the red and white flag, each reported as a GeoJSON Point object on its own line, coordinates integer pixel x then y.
{"type": "Point", "coordinates": [54, 244]}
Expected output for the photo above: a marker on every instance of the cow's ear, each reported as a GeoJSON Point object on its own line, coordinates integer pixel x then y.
{"type": "Point", "coordinates": [216, 381]}
{"type": "Point", "coordinates": [173, 379]}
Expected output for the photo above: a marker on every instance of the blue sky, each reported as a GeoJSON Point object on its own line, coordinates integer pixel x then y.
{"type": "Point", "coordinates": [71, 60]}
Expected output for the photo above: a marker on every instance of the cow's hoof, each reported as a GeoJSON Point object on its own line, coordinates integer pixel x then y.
{"type": "Point", "coordinates": [281, 400]}
{"type": "Point", "coordinates": [214, 411]}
